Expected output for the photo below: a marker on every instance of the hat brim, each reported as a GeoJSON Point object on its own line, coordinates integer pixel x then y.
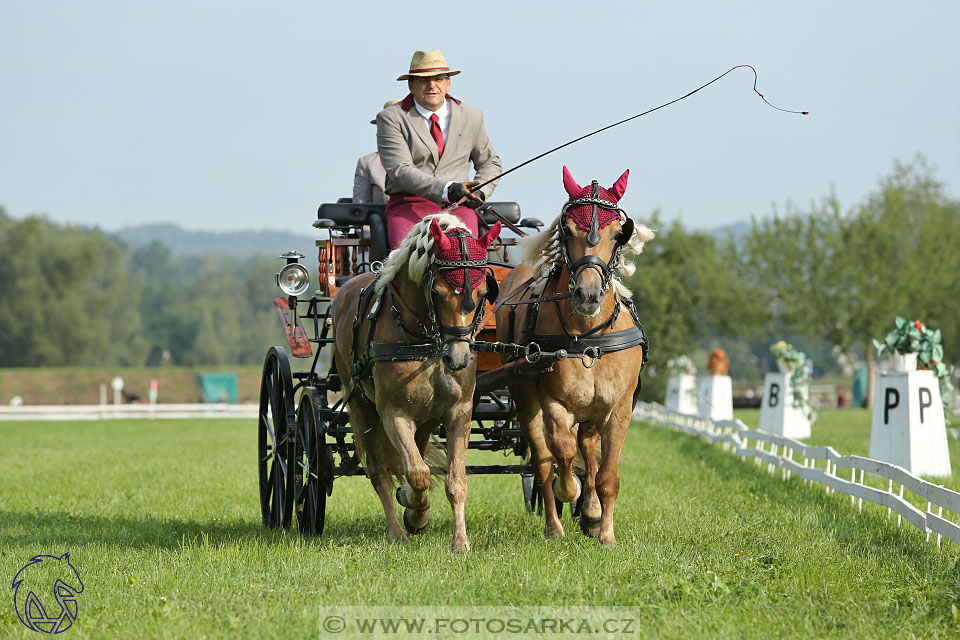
{"type": "Point", "coordinates": [428, 74]}
{"type": "Point", "coordinates": [374, 121]}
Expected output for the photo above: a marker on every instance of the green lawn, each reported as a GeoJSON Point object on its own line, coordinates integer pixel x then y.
{"type": "Point", "coordinates": [162, 522]}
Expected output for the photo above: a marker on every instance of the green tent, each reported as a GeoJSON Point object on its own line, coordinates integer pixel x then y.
{"type": "Point", "coordinates": [217, 387]}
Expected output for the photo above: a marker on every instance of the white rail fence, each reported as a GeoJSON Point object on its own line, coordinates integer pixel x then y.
{"type": "Point", "coordinates": [111, 411]}
{"type": "Point", "coordinates": [794, 457]}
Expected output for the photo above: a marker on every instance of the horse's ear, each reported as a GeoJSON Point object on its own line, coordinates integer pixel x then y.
{"type": "Point", "coordinates": [442, 242]}
{"type": "Point", "coordinates": [620, 186]}
{"type": "Point", "coordinates": [492, 234]}
{"type": "Point", "coordinates": [573, 189]}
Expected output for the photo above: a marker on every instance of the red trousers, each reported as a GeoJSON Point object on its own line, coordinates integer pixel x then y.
{"type": "Point", "coordinates": [403, 211]}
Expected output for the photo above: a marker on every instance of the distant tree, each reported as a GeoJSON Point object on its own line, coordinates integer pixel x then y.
{"type": "Point", "coordinates": [686, 291]}
{"type": "Point", "coordinates": [844, 277]}
{"type": "Point", "coordinates": [66, 297]}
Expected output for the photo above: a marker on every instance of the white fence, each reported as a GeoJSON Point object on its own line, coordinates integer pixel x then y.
{"type": "Point", "coordinates": [785, 454]}
{"type": "Point", "coordinates": [108, 411]}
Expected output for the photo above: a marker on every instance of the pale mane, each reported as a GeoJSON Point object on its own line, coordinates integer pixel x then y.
{"type": "Point", "coordinates": [541, 251]}
{"type": "Point", "coordinates": [416, 250]}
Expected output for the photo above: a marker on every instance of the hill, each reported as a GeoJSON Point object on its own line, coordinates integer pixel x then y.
{"type": "Point", "coordinates": [239, 243]}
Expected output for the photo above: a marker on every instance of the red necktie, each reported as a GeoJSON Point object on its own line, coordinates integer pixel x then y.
{"type": "Point", "coordinates": [436, 133]}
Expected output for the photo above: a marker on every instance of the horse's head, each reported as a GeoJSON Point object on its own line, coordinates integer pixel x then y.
{"type": "Point", "coordinates": [593, 230]}
{"type": "Point", "coordinates": [460, 284]}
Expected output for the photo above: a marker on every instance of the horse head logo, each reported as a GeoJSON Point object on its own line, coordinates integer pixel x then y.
{"type": "Point", "coordinates": [43, 581]}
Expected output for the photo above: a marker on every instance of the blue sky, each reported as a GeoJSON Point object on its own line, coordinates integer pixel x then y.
{"type": "Point", "coordinates": [229, 115]}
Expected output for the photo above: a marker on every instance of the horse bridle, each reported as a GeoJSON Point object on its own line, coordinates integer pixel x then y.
{"type": "Point", "coordinates": [446, 334]}
{"type": "Point", "coordinates": [606, 269]}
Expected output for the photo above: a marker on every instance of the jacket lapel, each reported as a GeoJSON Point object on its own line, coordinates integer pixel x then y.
{"type": "Point", "coordinates": [418, 124]}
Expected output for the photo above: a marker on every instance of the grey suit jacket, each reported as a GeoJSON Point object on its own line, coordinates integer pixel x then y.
{"type": "Point", "coordinates": [368, 180]}
{"type": "Point", "coordinates": [409, 153]}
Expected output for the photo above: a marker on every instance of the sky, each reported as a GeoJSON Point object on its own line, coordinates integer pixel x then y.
{"type": "Point", "coordinates": [234, 115]}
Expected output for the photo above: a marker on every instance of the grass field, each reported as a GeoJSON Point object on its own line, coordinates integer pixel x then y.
{"type": "Point", "coordinates": [161, 519]}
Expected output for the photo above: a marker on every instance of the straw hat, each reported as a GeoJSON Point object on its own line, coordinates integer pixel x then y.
{"type": "Point", "coordinates": [426, 64]}
{"type": "Point", "coordinates": [385, 105]}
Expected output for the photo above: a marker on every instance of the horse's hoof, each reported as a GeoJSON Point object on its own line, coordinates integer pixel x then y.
{"type": "Point", "coordinates": [398, 538]}
{"type": "Point", "coordinates": [576, 494]}
{"type": "Point", "coordinates": [460, 547]}
{"type": "Point", "coordinates": [590, 526]}
{"type": "Point", "coordinates": [414, 530]}
{"type": "Point", "coordinates": [554, 534]}
{"type": "Point", "coordinates": [609, 542]}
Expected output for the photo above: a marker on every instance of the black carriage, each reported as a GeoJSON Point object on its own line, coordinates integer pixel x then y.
{"type": "Point", "coordinates": [304, 433]}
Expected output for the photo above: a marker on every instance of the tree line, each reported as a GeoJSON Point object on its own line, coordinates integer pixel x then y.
{"type": "Point", "coordinates": [825, 278]}
{"type": "Point", "coordinates": [71, 296]}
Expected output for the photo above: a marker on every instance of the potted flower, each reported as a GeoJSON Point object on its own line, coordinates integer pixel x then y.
{"type": "Point", "coordinates": [789, 360]}
{"type": "Point", "coordinates": [792, 361]}
{"type": "Point", "coordinates": [903, 344]}
{"type": "Point", "coordinates": [912, 344]}
{"type": "Point", "coordinates": [681, 366]}
{"type": "Point", "coordinates": [718, 363]}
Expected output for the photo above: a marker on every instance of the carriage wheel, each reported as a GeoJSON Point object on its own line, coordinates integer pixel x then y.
{"type": "Point", "coordinates": [275, 432]}
{"type": "Point", "coordinates": [312, 466]}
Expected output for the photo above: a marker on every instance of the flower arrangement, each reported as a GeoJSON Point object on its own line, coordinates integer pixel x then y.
{"type": "Point", "coordinates": [788, 358]}
{"type": "Point", "coordinates": [718, 363]}
{"type": "Point", "coordinates": [681, 365]}
{"type": "Point", "coordinates": [914, 337]}
{"type": "Point", "coordinates": [792, 361]}
{"type": "Point", "coordinates": [905, 338]}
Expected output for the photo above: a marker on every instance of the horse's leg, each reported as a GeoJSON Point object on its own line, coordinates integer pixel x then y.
{"type": "Point", "coordinates": [590, 511]}
{"type": "Point", "coordinates": [612, 433]}
{"type": "Point", "coordinates": [531, 423]}
{"type": "Point", "coordinates": [402, 434]}
{"type": "Point", "coordinates": [457, 424]}
{"type": "Point", "coordinates": [557, 422]}
{"type": "Point", "coordinates": [378, 456]}
{"type": "Point", "coordinates": [417, 511]}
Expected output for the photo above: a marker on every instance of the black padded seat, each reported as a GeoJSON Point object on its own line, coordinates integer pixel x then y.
{"type": "Point", "coordinates": [509, 210]}
{"type": "Point", "coordinates": [349, 214]}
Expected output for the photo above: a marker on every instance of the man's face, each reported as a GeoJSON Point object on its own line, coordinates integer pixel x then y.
{"type": "Point", "coordinates": [429, 92]}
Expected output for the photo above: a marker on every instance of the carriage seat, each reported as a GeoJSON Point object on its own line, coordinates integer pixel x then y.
{"type": "Point", "coordinates": [345, 213]}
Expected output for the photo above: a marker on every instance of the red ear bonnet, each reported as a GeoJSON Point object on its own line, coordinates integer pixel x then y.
{"type": "Point", "coordinates": [583, 213]}
{"type": "Point", "coordinates": [442, 241]}
{"type": "Point", "coordinates": [573, 189]}
{"type": "Point", "coordinates": [492, 234]}
{"type": "Point", "coordinates": [450, 260]}
{"type": "Point", "coordinates": [620, 186]}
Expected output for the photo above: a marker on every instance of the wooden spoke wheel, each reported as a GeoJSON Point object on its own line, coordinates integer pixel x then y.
{"type": "Point", "coordinates": [312, 464]}
{"type": "Point", "coordinates": [275, 434]}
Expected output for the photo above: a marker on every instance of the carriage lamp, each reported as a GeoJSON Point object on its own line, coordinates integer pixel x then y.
{"type": "Point", "coordinates": [293, 279]}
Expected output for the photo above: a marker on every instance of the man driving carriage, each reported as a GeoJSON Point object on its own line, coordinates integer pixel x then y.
{"type": "Point", "coordinates": [426, 145]}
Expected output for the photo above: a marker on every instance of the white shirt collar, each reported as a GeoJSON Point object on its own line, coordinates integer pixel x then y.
{"type": "Point", "coordinates": [426, 113]}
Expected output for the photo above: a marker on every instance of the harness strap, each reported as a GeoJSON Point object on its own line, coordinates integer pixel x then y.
{"type": "Point", "coordinates": [599, 345]}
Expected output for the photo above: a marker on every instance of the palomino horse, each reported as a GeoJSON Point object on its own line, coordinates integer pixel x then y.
{"type": "Point", "coordinates": [566, 295]}
{"type": "Point", "coordinates": [402, 349]}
